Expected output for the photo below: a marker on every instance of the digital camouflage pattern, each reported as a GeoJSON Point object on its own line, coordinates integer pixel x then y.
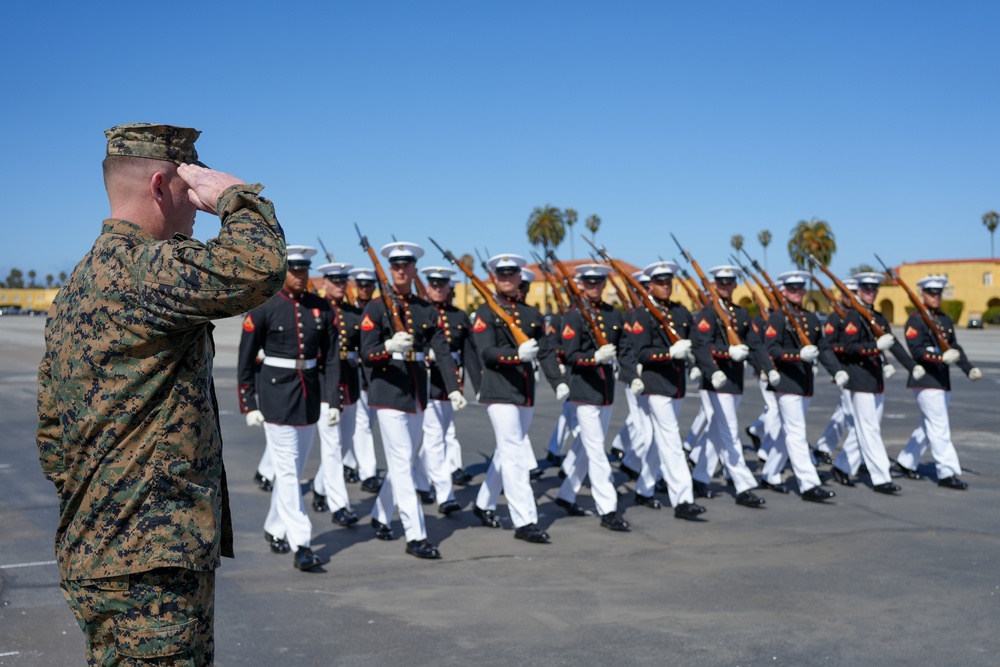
{"type": "Point", "coordinates": [157, 142]}
{"type": "Point", "coordinates": [127, 418]}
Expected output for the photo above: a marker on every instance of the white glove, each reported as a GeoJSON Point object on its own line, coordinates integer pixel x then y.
{"type": "Point", "coordinates": [975, 374]}
{"type": "Point", "coordinates": [681, 349]}
{"type": "Point", "coordinates": [528, 350]}
{"type": "Point", "coordinates": [774, 377]}
{"type": "Point", "coordinates": [638, 369]}
{"type": "Point", "coordinates": [950, 356]}
{"type": "Point", "coordinates": [888, 371]}
{"type": "Point", "coordinates": [718, 379]}
{"type": "Point", "coordinates": [562, 391]}
{"type": "Point", "coordinates": [255, 418]}
{"type": "Point", "coordinates": [333, 417]}
{"type": "Point", "coordinates": [605, 354]}
{"type": "Point", "coordinates": [457, 400]}
{"type": "Point", "coordinates": [918, 372]}
{"type": "Point", "coordinates": [562, 369]}
{"type": "Point", "coordinates": [884, 342]}
{"type": "Point", "coordinates": [809, 353]}
{"type": "Point", "coordinates": [637, 386]}
{"type": "Point", "coordinates": [739, 352]}
{"type": "Point", "coordinates": [841, 378]}
{"type": "Point", "coordinates": [694, 374]}
{"type": "Point", "coordinates": [400, 343]}
{"type": "Point", "coordinates": [430, 355]}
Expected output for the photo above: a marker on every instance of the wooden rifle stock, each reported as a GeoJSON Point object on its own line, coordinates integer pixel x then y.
{"type": "Point", "coordinates": [384, 288]}
{"type": "Point", "coordinates": [782, 304]}
{"type": "Point", "coordinates": [919, 304]}
{"type": "Point", "coordinates": [551, 281]}
{"type": "Point", "coordinates": [829, 297]}
{"type": "Point", "coordinates": [720, 310]}
{"type": "Point", "coordinates": [582, 302]}
{"type": "Point", "coordinates": [762, 308]}
{"type": "Point", "coordinates": [856, 303]}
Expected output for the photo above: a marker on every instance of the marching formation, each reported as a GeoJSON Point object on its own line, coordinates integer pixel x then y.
{"type": "Point", "coordinates": [402, 359]}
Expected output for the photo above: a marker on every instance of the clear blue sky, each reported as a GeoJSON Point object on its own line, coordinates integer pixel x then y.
{"type": "Point", "coordinates": [456, 119]}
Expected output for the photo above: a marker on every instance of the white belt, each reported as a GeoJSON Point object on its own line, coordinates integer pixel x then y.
{"type": "Point", "coordinates": [409, 356]}
{"type": "Point", "coordinates": [298, 364]}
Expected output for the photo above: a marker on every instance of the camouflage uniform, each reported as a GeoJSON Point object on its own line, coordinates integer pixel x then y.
{"type": "Point", "coordinates": [128, 427]}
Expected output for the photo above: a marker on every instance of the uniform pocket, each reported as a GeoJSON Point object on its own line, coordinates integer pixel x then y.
{"type": "Point", "coordinates": [139, 639]}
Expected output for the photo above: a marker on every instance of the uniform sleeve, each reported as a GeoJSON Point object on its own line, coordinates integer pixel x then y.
{"type": "Point", "coordinates": [247, 366]}
{"type": "Point", "coordinates": [330, 349]}
{"type": "Point", "coordinates": [626, 358]}
{"type": "Point", "coordinates": [577, 347]}
{"type": "Point", "coordinates": [470, 357]}
{"type": "Point", "coordinates": [48, 435]}
{"type": "Point", "coordinates": [922, 344]}
{"type": "Point", "coordinates": [760, 358]}
{"type": "Point", "coordinates": [897, 348]}
{"type": "Point", "coordinates": [442, 353]}
{"type": "Point", "coordinates": [827, 358]}
{"type": "Point", "coordinates": [548, 358]}
{"type": "Point", "coordinates": [375, 331]}
{"type": "Point", "coordinates": [963, 360]}
{"type": "Point", "coordinates": [487, 336]}
{"type": "Point", "coordinates": [703, 342]}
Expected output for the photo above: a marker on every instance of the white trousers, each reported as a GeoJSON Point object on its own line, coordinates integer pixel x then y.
{"type": "Point", "coordinates": [453, 447]}
{"type": "Point", "coordinates": [591, 459]}
{"type": "Point", "coordinates": [333, 440]}
{"type": "Point", "coordinates": [850, 458]}
{"type": "Point", "coordinates": [565, 427]}
{"type": "Point", "coordinates": [866, 420]}
{"type": "Point", "coordinates": [509, 470]}
{"type": "Point", "coordinates": [835, 429]}
{"type": "Point", "coordinates": [666, 455]}
{"type": "Point", "coordinates": [432, 466]}
{"type": "Point", "coordinates": [636, 435]}
{"type": "Point", "coordinates": [722, 442]}
{"type": "Point", "coordinates": [359, 452]}
{"type": "Point", "coordinates": [792, 444]}
{"type": "Point", "coordinates": [934, 430]}
{"type": "Point", "coordinates": [699, 427]}
{"type": "Point", "coordinates": [770, 421]}
{"type": "Point", "coordinates": [401, 433]}
{"type": "Point", "coordinates": [289, 447]}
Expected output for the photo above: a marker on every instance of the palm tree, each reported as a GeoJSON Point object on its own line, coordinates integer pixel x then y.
{"type": "Point", "coordinates": [736, 242]}
{"type": "Point", "coordinates": [48, 279]}
{"type": "Point", "coordinates": [62, 277]}
{"type": "Point", "coordinates": [570, 217]}
{"type": "Point", "coordinates": [546, 227]}
{"type": "Point", "coordinates": [990, 219]}
{"type": "Point", "coordinates": [468, 262]}
{"type": "Point", "coordinates": [765, 240]}
{"type": "Point", "coordinates": [593, 224]}
{"type": "Point", "coordinates": [31, 277]}
{"type": "Point", "coordinates": [814, 237]}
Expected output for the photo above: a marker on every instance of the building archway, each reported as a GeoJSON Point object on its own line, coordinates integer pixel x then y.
{"type": "Point", "coordinates": [993, 303]}
{"type": "Point", "coordinates": [887, 309]}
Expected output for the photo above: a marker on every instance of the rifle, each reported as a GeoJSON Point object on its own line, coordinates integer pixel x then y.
{"type": "Point", "coordinates": [640, 292]}
{"type": "Point", "coordinates": [582, 302]}
{"type": "Point", "coordinates": [385, 290]}
{"type": "Point", "coordinates": [856, 303]}
{"type": "Point", "coordinates": [498, 310]}
{"type": "Point", "coordinates": [829, 297]}
{"type": "Point", "coordinates": [329, 255]}
{"type": "Point", "coordinates": [921, 308]}
{"type": "Point", "coordinates": [782, 303]}
{"type": "Point", "coordinates": [417, 282]}
{"type": "Point", "coordinates": [698, 298]}
{"type": "Point", "coordinates": [720, 310]}
{"type": "Point", "coordinates": [761, 307]}
{"type": "Point", "coordinates": [551, 280]}
{"type": "Point", "coordinates": [622, 299]}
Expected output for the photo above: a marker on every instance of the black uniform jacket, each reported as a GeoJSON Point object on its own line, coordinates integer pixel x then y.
{"type": "Point", "coordinates": [924, 348]}
{"type": "Point", "coordinates": [289, 327]}
{"type": "Point", "coordinates": [590, 382]}
{"type": "Point", "coordinates": [400, 383]}
{"type": "Point", "coordinates": [854, 344]}
{"type": "Point", "coordinates": [505, 378]}
{"type": "Point", "coordinates": [711, 348]}
{"type": "Point", "coordinates": [783, 345]}
{"type": "Point", "coordinates": [650, 346]}
{"type": "Point", "coordinates": [349, 328]}
{"type": "Point", "coordinates": [458, 330]}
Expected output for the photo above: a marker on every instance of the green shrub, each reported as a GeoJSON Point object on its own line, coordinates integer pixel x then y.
{"type": "Point", "coordinates": [952, 309]}
{"type": "Point", "coordinates": [992, 315]}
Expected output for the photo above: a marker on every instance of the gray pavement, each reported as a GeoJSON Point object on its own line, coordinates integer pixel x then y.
{"type": "Point", "coordinates": [869, 579]}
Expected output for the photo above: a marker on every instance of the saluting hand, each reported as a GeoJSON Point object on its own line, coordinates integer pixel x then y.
{"type": "Point", "coordinates": [206, 185]}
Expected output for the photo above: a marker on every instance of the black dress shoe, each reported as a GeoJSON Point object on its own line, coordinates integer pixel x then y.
{"type": "Point", "coordinates": [351, 475]}
{"type": "Point", "coordinates": [371, 485]}
{"type": "Point", "coordinates": [535, 473]}
{"type": "Point", "coordinates": [661, 486]}
{"type": "Point", "coordinates": [319, 503]}
{"type": "Point", "coordinates": [753, 438]}
{"type": "Point", "coordinates": [279, 545]}
{"type": "Point", "coordinates": [422, 549]}
{"type": "Point", "coordinates": [888, 488]}
{"type": "Point", "coordinates": [382, 531]}
{"type": "Point", "coordinates": [648, 501]}
{"type": "Point", "coordinates": [554, 459]}
{"type": "Point", "coordinates": [345, 517]}
{"type": "Point", "coordinates": [748, 499]}
{"type": "Point", "coordinates": [449, 507]}
{"type": "Point", "coordinates": [780, 487]}
{"type": "Point", "coordinates": [821, 456]}
{"type": "Point", "coordinates": [460, 477]}
{"type": "Point", "coordinates": [631, 474]}
{"type": "Point", "coordinates": [615, 455]}
{"type": "Point", "coordinates": [306, 560]}
{"type": "Point", "coordinates": [841, 477]}
{"type": "Point", "coordinates": [612, 521]}
{"type": "Point", "coordinates": [488, 517]}
{"type": "Point", "coordinates": [531, 533]}
{"type": "Point", "coordinates": [427, 497]}
{"type": "Point", "coordinates": [703, 490]}
{"type": "Point", "coordinates": [264, 483]}
{"type": "Point", "coordinates": [562, 474]}
{"type": "Point", "coordinates": [909, 474]}
{"type": "Point", "coordinates": [688, 511]}
{"type": "Point", "coordinates": [571, 508]}
{"type": "Point", "coordinates": [953, 482]}
{"type": "Point", "coordinates": [818, 494]}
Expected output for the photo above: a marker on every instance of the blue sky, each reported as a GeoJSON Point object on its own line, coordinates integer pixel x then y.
{"type": "Point", "coordinates": [456, 119]}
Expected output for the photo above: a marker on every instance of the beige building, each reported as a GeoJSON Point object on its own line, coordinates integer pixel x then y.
{"type": "Point", "coordinates": [36, 299]}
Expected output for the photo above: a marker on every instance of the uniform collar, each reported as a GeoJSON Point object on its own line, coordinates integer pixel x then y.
{"type": "Point", "coordinates": [126, 228]}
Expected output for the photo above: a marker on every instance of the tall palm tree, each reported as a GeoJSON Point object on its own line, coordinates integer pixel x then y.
{"type": "Point", "coordinates": [593, 224]}
{"type": "Point", "coordinates": [31, 276]}
{"type": "Point", "coordinates": [546, 227]}
{"type": "Point", "coordinates": [62, 277]}
{"type": "Point", "coordinates": [765, 240]}
{"type": "Point", "coordinates": [814, 237]}
{"type": "Point", "coordinates": [49, 278]}
{"type": "Point", "coordinates": [570, 217]}
{"type": "Point", "coordinates": [736, 242]}
{"type": "Point", "coordinates": [468, 262]}
{"type": "Point", "coordinates": [991, 219]}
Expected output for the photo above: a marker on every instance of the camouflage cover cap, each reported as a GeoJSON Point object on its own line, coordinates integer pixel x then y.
{"type": "Point", "coordinates": [156, 142]}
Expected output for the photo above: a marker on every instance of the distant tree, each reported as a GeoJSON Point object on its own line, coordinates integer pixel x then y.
{"type": "Point", "coordinates": [49, 278]}
{"type": "Point", "coordinates": [546, 227]}
{"type": "Point", "coordinates": [593, 224]}
{"type": "Point", "coordinates": [570, 216]}
{"type": "Point", "coordinates": [15, 279]}
{"type": "Point", "coordinates": [814, 237]}
{"type": "Point", "coordinates": [468, 262]}
{"type": "Point", "coordinates": [765, 240]}
{"type": "Point", "coordinates": [863, 268]}
{"type": "Point", "coordinates": [991, 219]}
{"type": "Point", "coordinates": [31, 277]}
{"type": "Point", "coordinates": [62, 277]}
{"type": "Point", "coordinates": [736, 242]}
